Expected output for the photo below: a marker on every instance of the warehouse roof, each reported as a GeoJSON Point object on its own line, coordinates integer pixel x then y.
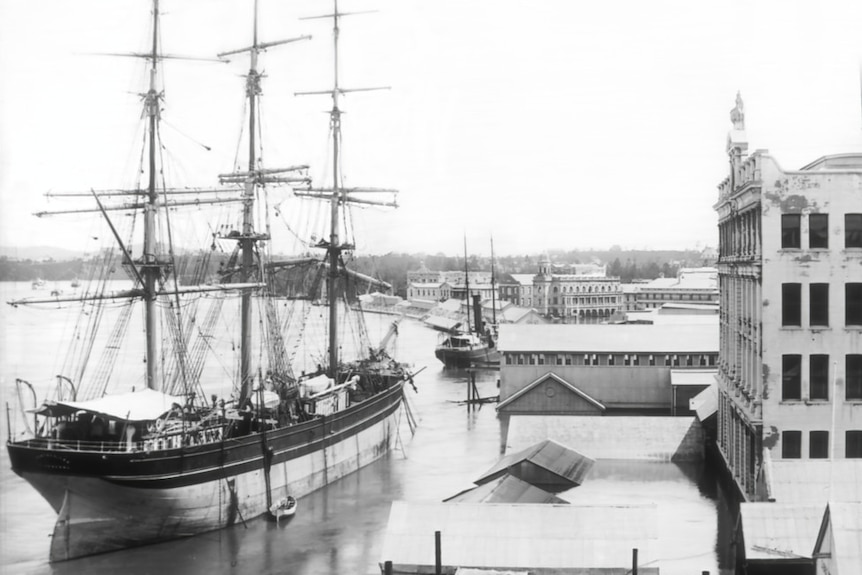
{"type": "Point", "coordinates": [592, 338]}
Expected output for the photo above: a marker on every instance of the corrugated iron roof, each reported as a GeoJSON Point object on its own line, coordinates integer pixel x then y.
{"type": "Point", "coordinates": [624, 437]}
{"type": "Point", "coordinates": [506, 489]}
{"type": "Point", "coordinates": [705, 403]}
{"type": "Point", "coordinates": [541, 380]}
{"type": "Point", "coordinates": [814, 481]}
{"type": "Point", "coordinates": [845, 522]}
{"type": "Point", "coordinates": [517, 536]}
{"type": "Point", "coordinates": [693, 376]}
{"type": "Point", "coordinates": [566, 463]}
{"type": "Point", "coordinates": [666, 338]}
{"type": "Point", "coordinates": [779, 531]}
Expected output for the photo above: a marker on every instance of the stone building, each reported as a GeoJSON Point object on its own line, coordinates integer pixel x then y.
{"type": "Point", "coordinates": [697, 286]}
{"type": "Point", "coordinates": [575, 296]}
{"type": "Point", "coordinates": [790, 275]}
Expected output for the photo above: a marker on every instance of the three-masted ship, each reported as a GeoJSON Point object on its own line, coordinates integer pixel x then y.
{"type": "Point", "coordinates": [135, 467]}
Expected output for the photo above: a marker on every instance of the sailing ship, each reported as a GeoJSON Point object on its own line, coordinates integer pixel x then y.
{"type": "Point", "coordinates": [477, 346]}
{"type": "Point", "coordinates": [139, 467]}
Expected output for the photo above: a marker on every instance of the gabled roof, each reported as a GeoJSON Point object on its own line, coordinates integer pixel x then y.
{"type": "Point", "coordinates": [538, 381]}
{"type": "Point", "coordinates": [779, 531]}
{"type": "Point", "coordinates": [567, 464]}
{"type": "Point", "coordinates": [505, 489]}
{"type": "Point", "coordinates": [844, 523]}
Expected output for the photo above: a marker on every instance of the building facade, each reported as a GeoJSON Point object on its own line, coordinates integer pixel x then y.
{"type": "Point", "coordinates": [596, 369]}
{"type": "Point", "coordinates": [697, 286]}
{"type": "Point", "coordinates": [578, 296]}
{"type": "Point", "coordinates": [790, 275]}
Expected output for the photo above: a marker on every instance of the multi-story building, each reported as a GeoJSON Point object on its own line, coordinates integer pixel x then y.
{"type": "Point", "coordinates": [517, 289]}
{"type": "Point", "coordinates": [790, 275]}
{"type": "Point", "coordinates": [697, 286]}
{"type": "Point", "coordinates": [576, 296]}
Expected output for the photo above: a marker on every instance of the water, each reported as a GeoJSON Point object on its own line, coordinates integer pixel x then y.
{"type": "Point", "coordinates": [340, 529]}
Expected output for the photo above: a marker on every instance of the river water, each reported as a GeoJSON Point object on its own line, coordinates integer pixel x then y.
{"type": "Point", "coordinates": [340, 529]}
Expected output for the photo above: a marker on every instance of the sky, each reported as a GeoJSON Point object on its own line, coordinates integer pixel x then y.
{"type": "Point", "coordinates": [551, 124]}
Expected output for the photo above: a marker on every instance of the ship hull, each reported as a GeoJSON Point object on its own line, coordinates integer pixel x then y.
{"type": "Point", "coordinates": [463, 358]}
{"type": "Point", "coordinates": [153, 499]}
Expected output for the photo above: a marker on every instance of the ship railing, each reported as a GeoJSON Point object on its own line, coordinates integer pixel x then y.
{"type": "Point", "coordinates": [160, 442]}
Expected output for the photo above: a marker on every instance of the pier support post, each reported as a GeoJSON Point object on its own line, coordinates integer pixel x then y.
{"type": "Point", "coordinates": [387, 568]}
{"type": "Point", "coordinates": [438, 557]}
{"type": "Point", "coordinates": [634, 561]}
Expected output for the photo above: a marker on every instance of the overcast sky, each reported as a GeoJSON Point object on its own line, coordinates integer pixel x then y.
{"type": "Point", "coordinates": [551, 124]}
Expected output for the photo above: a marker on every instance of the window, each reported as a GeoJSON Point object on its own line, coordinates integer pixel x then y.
{"type": "Point", "coordinates": [689, 360]}
{"type": "Point", "coordinates": [853, 375]}
{"type": "Point", "coordinates": [791, 377]}
{"type": "Point", "coordinates": [568, 360]}
{"type": "Point", "coordinates": [508, 359]}
{"type": "Point", "coordinates": [791, 444]}
{"type": "Point", "coordinates": [853, 444]}
{"type": "Point", "coordinates": [818, 231]}
{"type": "Point", "coordinates": [636, 360]}
{"type": "Point", "coordinates": [818, 305]}
{"type": "Point", "coordinates": [667, 360]}
{"type": "Point", "coordinates": [818, 445]}
{"type": "Point", "coordinates": [610, 359]}
{"type": "Point", "coordinates": [652, 360]}
{"type": "Point", "coordinates": [532, 359]}
{"type": "Point", "coordinates": [711, 360]}
{"type": "Point", "coordinates": [627, 360]}
{"type": "Point", "coordinates": [790, 225]}
{"type": "Point", "coordinates": [520, 360]}
{"type": "Point", "coordinates": [791, 304]}
{"type": "Point", "coordinates": [559, 360]}
{"type": "Point", "coordinates": [853, 230]}
{"type": "Point", "coordinates": [595, 359]}
{"type": "Point", "coordinates": [818, 371]}
{"type": "Point", "coordinates": [853, 304]}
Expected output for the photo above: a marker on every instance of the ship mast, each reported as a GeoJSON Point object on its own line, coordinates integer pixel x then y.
{"type": "Point", "coordinates": [467, 285]}
{"type": "Point", "coordinates": [337, 195]}
{"type": "Point", "coordinates": [251, 179]}
{"type": "Point", "coordinates": [150, 266]}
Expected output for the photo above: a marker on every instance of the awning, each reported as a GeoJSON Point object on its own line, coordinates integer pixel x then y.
{"type": "Point", "coordinates": [144, 405]}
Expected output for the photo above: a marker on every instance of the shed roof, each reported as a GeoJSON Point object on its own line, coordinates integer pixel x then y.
{"type": "Point", "coordinates": [779, 531]}
{"type": "Point", "coordinates": [566, 463]}
{"type": "Point", "coordinates": [506, 489]}
{"type": "Point", "coordinates": [589, 338]}
{"type": "Point", "coordinates": [814, 480]}
{"type": "Point", "coordinates": [845, 523]}
{"type": "Point", "coordinates": [513, 536]}
{"type": "Point", "coordinates": [143, 405]}
{"type": "Point", "coordinates": [440, 322]}
{"type": "Point", "coordinates": [623, 437]}
{"type": "Point", "coordinates": [693, 376]}
{"type": "Point", "coordinates": [705, 403]}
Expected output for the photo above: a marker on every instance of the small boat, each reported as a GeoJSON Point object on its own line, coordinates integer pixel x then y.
{"type": "Point", "coordinates": [38, 283]}
{"type": "Point", "coordinates": [284, 507]}
{"type": "Point", "coordinates": [76, 283]}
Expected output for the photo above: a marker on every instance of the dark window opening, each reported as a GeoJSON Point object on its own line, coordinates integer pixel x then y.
{"type": "Point", "coordinates": [853, 230]}
{"type": "Point", "coordinates": [853, 444]}
{"type": "Point", "coordinates": [791, 444]}
{"type": "Point", "coordinates": [818, 231]}
{"type": "Point", "coordinates": [791, 304]}
{"type": "Point", "coordinates": [790, 234]}
{"type": "Point", "coordinates": [853, 374]}
{"type": "Point", "coordinates": [853, 304]}
{"type": "Point", "coordinates": [819, 376]}
{"type": "Point", "coordinates": [818, 304]}
{"type": "Point", "coordinates": [791, 377]}
{"type": "Point", "coordinates": [818, 445]}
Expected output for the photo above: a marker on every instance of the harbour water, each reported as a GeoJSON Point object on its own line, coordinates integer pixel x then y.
{"type": "Point", "coordinates": [340, 529]}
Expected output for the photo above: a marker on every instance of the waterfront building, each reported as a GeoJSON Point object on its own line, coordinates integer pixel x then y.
{"type": "Point", "coordinates": [790, 275]}
{"type": "Point", "coordinates": [587, 293]}
{"type": "Point", "coordinates": [432, 291]}
{"type": "Point", "coordinates": [698, 286]}
{"type": "Point", "coordinates": [516, 288]}
{"type": "Point", "coordinates": [597, 369]}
